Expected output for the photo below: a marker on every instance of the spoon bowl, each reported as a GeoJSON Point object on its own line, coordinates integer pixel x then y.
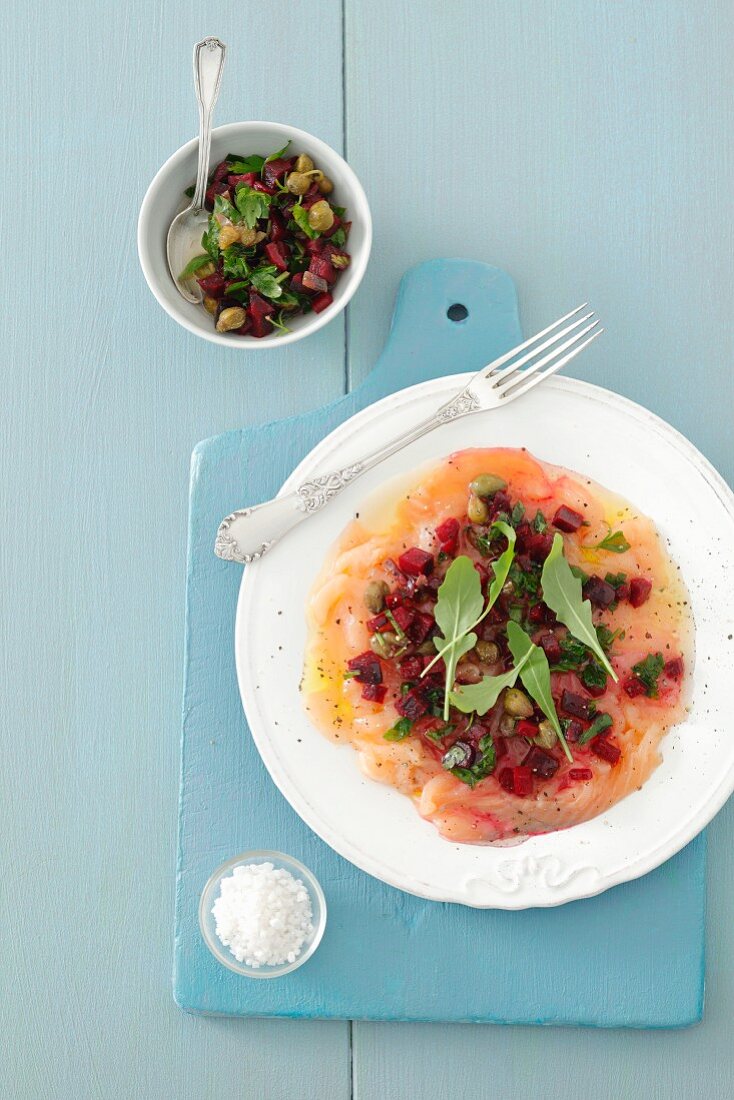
{"type": "Point", "coordinates": [184, 241]}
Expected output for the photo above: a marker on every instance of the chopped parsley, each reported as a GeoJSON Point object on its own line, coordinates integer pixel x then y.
{"type": "Point", "coordinates": [482, 767]}
{"type": "Point", "coordinates": [399, 731]}
{"type": "Point", "coordinates": [648, 671]}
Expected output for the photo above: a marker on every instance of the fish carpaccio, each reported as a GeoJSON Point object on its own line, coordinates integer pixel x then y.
{"type": "Point", "coordinates": [364, 668]}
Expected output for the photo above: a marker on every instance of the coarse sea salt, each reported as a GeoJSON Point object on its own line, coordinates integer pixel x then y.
{"type": "Point", "coordinates": [263, 915]}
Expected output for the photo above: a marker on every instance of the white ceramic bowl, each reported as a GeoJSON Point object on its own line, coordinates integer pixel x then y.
{"type": "Point", "coordinates": [164, 199]}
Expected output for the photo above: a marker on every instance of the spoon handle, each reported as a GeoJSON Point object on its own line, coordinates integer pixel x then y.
{"type": "Point", "coordinates": [208, 65]}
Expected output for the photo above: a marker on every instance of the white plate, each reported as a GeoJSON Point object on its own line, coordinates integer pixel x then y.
{"type": "Point", "coordinates": [632, 452]}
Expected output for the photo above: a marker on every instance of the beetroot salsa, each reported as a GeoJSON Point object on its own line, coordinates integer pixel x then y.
{"type": "Point", "coordinates": [275, 245]}
{"type": "Point", "coordinates": [482, 669]}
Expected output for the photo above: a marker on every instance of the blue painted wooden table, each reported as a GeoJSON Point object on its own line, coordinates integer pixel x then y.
{"type": "Point", "coordinates": [587, 149]}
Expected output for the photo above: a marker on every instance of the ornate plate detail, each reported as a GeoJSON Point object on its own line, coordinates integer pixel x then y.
{"type": "Point", "coordinates": [545, 872]}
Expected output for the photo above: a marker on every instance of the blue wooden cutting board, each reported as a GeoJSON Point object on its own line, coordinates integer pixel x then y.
{"type": "Point", "coordinates": [632, 957]}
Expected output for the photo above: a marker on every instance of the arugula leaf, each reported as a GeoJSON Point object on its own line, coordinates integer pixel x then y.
{"type": "Point", "coordinates": [300, 217]}
{"type": "Point", "coordinates": [483, 766]}
{"type": "Point", "coordinates": [238, 165]}
{"type": "Point", "coordinates": [501, 567]}
{"type": "Point", "coordinates": [500, 570]}
{"type": "Point", "coordinates": [265, 283]}
{"type": "Point", "coordinates": [193, 265]}
{"type": "Point", "coordinates": [562, 594]}
{"type": "Point", "coordinates": [614, 542]}
{"type": "Point", "coordinates": [593, 676]}
{"type": "Point", "coordinates": [251, 204]}
{"type": "Point", "coordinates": [601, 722]}
{"type": "Point", "coordinates": [279, 154]}
{"type": "Point", "coordinates": [481, 697]}
{"type": "Point", "coordinates": [400, 730]}
{"type": "Point", "coordinates": [224, 207]}
{"type": "Point", "coordinates": [532, 664]}
{"type": "Point", "coordinates": [458, 610]}
{"type": "Point", "coordinates": [240, 290]}
{"type": "Point", "coordinates": [648, 672]}
{"type": "Point", "coordinates": [539, 524]}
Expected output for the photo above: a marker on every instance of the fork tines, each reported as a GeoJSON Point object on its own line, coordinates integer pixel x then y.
{"type": "Point", "coordinates": [562, 345]}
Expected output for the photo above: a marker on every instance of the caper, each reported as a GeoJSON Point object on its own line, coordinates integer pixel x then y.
{"type": "Point", "coordinates": [321, 216]}
{"type": "Point", "coordinates": [467, 672]}
{"type": "Point", "coordinates": [339, 260]}
{"type": "Point", "coordinates": [546, 736]}
{"type": "Point", "coordinates": [487, 652]}
{"type": "Point", "coordinates": [325, 185]}
{"type": "Point", "coordinates": [383, 644]}
{"type": "Point", "coordinates": [298, 183]}
{"type": "Point", "coordinates": [304, 163]}
{"type": "Point", "coordinates": [477, 509]}
{"type": "Point", "coordinates": [374, 596]}
{"type": "Point", "coordinates": [507, 725]}
{"type": "Point", "coordinates": [210, 304]}
{"type": "Point", "coordinates": [517, 703]}
{"type": "Point", "coordinates": [426, 649]}
{"type": "Point", "coordinates": [508, 588]}
{"type": "Point", "coordinates": [486, 485]}
{"type": "Point", "coordinates": [233, 317]}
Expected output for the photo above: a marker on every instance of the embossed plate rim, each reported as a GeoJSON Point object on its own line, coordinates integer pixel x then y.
{"type": "Point", "coordinates": [547, 870]}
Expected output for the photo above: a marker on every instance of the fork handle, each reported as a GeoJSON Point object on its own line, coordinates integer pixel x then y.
{"type": "Point", "coordinates": [247, 534]}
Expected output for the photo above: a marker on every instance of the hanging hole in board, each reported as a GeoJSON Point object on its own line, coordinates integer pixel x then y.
{"type": "Point", "coordinates": [457, 312]}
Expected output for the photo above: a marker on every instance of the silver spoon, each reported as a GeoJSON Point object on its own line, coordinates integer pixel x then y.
{"type": "Point", "coordinates": [184, 236]}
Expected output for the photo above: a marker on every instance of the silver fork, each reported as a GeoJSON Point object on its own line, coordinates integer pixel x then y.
{"type": "Point", "coordinates": [247, 534]}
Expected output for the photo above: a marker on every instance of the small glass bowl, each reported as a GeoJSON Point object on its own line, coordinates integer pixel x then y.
{"type": "Point", "coordinates": [210, 894]}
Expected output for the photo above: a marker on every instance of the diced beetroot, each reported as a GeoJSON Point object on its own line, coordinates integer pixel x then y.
{"type": "Point", "coordinates": [314, 283]}
{"type": "Point", "coordinates": [212, 191]}
{"type": "Point", "coordinates": [536, 613]}
{"type": "Point", "coordinates": [394, 599]}
{"type": "Point", "coordinates": [580, 773]}
{"type": "Point", "coordinates": [296, 283]}
{"type": "Point", "coordinates": [375, 693]}
{"type": "Point", "coordinates": [574, 729]}
{"type": "Point", "coordinates": [213, 285]}
{"type": "Point", "coordinates": [258, 185]}
{"type": "Point", "coordinates": [541, 763]}
{"type": "Point", "coordinates": [275, 169]}
{"type": "Point", "coordinates": [607, 749]}
{"type": "Point", "coordinates": [673, 668]}
{"type": "Point", "coordinates": [321, 302]}
{"type": "Point", "coordinates": [244, 329]}
{"type": "Point", "coordinates": [551, 647]}
{"type": "Point", "coordinates": [506, 779]}
{"type": "Point", "coordinates": [318, 244]}
{"type": "Point", "coordinates": [278, 254]}
{"type": "Point", "coordinates": [260, 326]}
{"type": "Point", "coordinates": [575, 705]}
{"type": "Point", "coordinates": [500, 502]}
{"type": "Point", "coordinates": [415, 562]}
{"type": "Point", "coordinates": [634, 687]}
{"type": "Point", "coordinates": [403, 616]}
{"type": "Point", "coordinates": [566, 519]}
{"type": "Point", "coordinates": [221, 171]}
{"type": "Point", "coordinates": [522, 781]}
{"type": "Point", "coordinates": [332, 230]}
{"type": "Point", "coordinates": [312, 195]}
{"type": "Point", "coordinates": [640, 589]}
{"type": "Point", "coordinates": [246, 177]}
{"type": "Point", "coordinates": [421, 627]}
{"type": "Point", "coordinates": [378, 623]}
{"type": "Point", "coordinates": [413, 705]}
{"type": "Point", "coordinates": [483, 573]}
{"type": "Point", "coordinates": [599, 592]}
{"type": "Point", "coordinates": [411, 667]}
{"type": "Point", "coordinates": [322, 267]}
{"type": "Point", "coordinates": [500, 747]}
{"type": "Point", "coordinates": [524, 728]}
{"type": "Point", "coordinates": [259, 306]}
{"type": "Point", "coordinates": [538, 546]}
{"type": "Point", "coordinates": [367, 668]}
{"type": "Point", "coordinates": [278, 231]}
{"type": "Point", "coordinates": [596, 690]}
{"type": "Point", "coordinates": [623, 591]}
{"type": "Point", "coordinates": [447, 534]}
